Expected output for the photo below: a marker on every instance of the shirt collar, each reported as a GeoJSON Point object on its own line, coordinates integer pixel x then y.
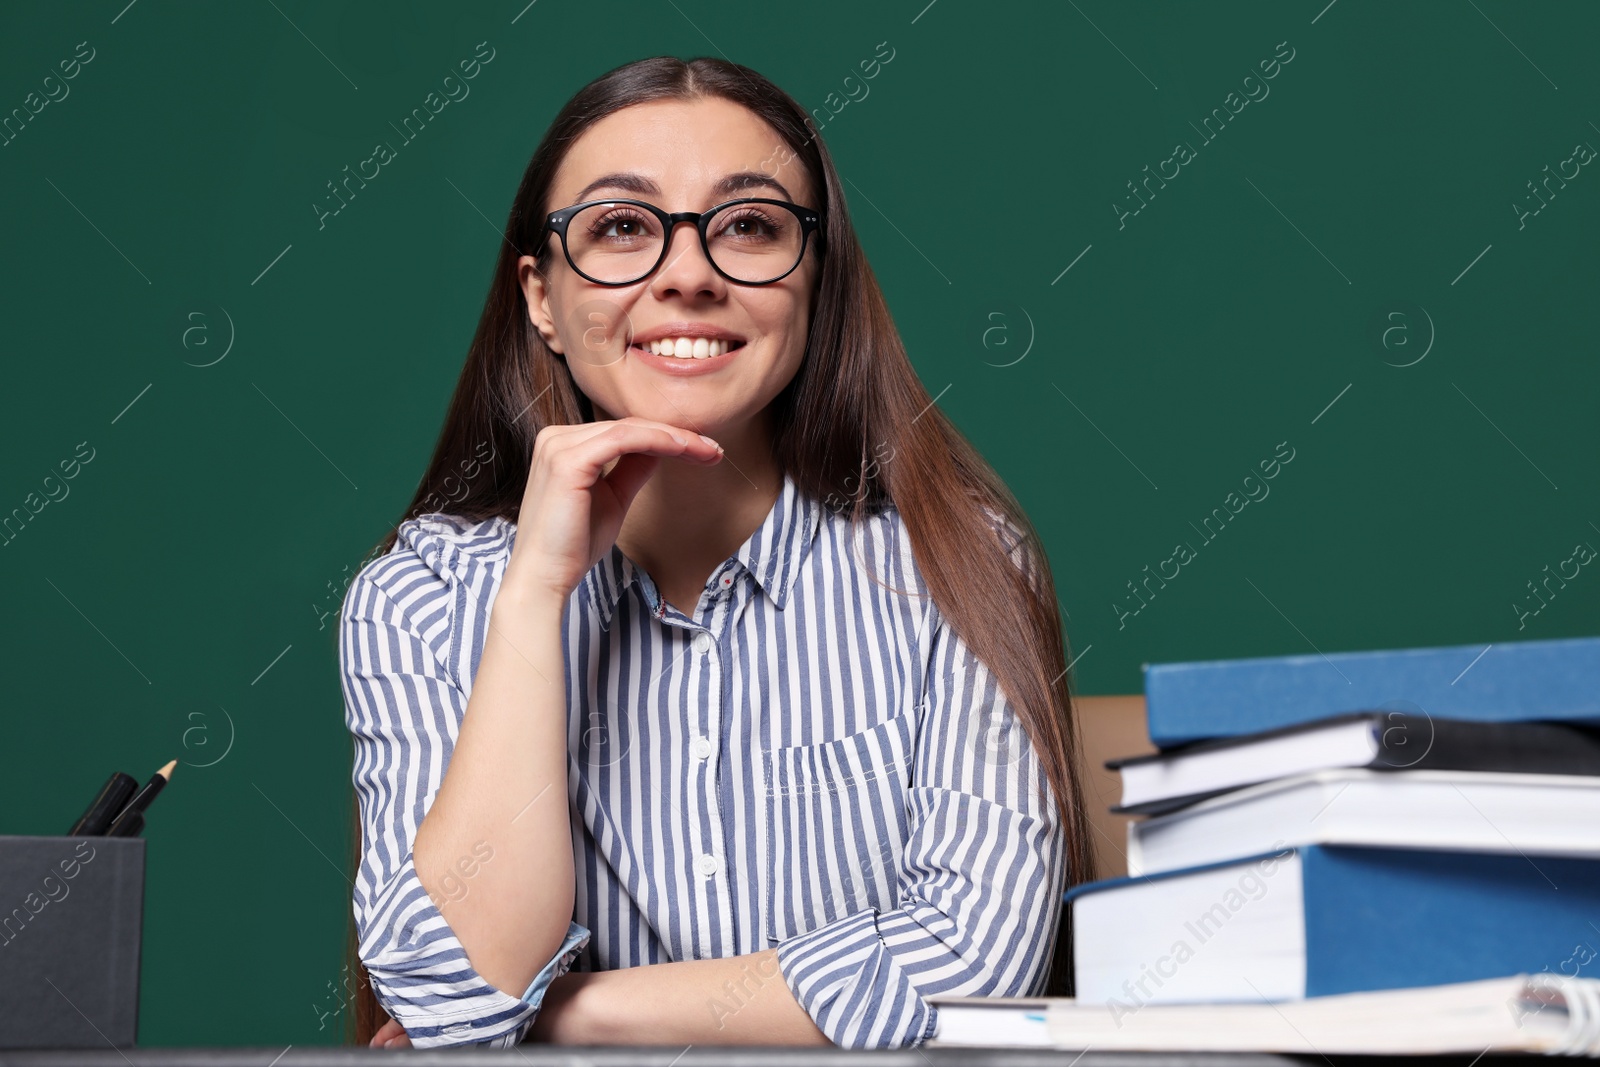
{"type": "Point", "coordinates": [772, 555]}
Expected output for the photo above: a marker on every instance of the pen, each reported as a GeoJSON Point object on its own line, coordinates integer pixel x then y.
{"type": "Point", "coordinates": [130, 820]}
{"type": "Point", "coordinates": [111, 799]}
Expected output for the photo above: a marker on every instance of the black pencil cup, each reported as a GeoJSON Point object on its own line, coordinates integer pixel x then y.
{"type": "Point", "coordinates": [71, 920]}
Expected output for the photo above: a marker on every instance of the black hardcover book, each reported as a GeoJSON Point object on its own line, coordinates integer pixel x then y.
{"type": "Point", "coordinates": [1378, 740]}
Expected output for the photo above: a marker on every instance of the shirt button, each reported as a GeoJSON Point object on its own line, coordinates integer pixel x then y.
{"type": "Point", "coordinates": [701, 748]}
{"type": "Point", "coordinates": [702, 641]}
{"type": "Point", "coordinates": [727, 580]}
{"type": "Point", "coordinates": [707, 865]}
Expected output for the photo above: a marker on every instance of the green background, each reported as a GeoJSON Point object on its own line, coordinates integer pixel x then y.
{"type": "Point", "coordinates": [176, 603]}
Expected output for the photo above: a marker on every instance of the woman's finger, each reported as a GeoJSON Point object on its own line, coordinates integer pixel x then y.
{"type": "Point", "coordinates": [589, 456]}
{"type": "Point", "coordinates": [564, 437]}
{"type": "Point", "coordinates": [581, 464]}
{"type": "Point", "coordinates": [389, 1031]}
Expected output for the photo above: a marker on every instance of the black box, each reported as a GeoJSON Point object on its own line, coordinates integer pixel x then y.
{"type": "Point", "coordinates": [71, 921]}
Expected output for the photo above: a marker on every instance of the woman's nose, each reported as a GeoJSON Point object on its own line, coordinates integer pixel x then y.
{"type": "Point", "coordinates": [686, 268]}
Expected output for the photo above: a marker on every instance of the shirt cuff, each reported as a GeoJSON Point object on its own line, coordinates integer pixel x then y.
{"type": "Point", "coordinates": [577, 937]}
{"type": "Point", "coordinates": [421, 975]}
{"type": "Point", "coordinates": [853, 987]}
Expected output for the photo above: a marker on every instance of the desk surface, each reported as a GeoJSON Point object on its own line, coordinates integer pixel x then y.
{"type": "Point", "coordinates": [534, 1055]}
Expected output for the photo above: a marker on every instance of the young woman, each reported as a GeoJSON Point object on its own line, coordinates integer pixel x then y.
{"type": "Point", "coordinates": [713, 688]}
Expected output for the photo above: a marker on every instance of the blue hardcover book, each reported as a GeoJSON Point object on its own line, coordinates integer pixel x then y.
{"type": "Point", "coordinates": [1513, 681]}
{"type": "Point", "coordinates": [1321, 919]}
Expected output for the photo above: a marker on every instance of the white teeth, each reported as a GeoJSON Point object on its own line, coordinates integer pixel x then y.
{"type": "Point", "coordinates": [689, 347]}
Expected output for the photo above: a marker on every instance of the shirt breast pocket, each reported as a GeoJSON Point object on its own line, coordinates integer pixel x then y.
{"type": "Point", "coordinates": [836, 826]}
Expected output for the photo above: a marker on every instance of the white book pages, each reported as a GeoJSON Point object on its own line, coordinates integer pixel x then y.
{"type": "Point", "coordinates": [1471, 811]}
{"type": "Point", "coordinates": [1233, 933]}
{"type": "Point", "coordinates": [1522, 1013]}
{"type": "Point", "coordinates": [1345, 744]}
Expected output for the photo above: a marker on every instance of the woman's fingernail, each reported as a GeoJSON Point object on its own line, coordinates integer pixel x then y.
{"type": "Point", "coordinates": [710, 442]}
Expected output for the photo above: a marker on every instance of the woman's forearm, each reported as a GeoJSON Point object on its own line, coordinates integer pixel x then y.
{"type": "Point", "coordinates": [740, 1000]}
{"type": "Point", "coordinates": [495, 849]}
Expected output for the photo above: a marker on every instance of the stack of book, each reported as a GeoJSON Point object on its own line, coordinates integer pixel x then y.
{"type": "Point", "coordinates": [1376, 836]}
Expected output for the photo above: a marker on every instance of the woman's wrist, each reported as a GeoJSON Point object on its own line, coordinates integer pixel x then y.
{"type": "Point", "coordinates": [566, 1016]}
{"type": "Point", "coordinates": [527, 596]}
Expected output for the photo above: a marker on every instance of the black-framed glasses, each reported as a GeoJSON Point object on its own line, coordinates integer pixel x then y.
{"type": "Point", "coordinates": [752, 241]}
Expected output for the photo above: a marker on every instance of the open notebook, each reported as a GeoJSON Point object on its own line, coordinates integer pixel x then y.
{"type": "Point", "coordinates": [1545, 1012]}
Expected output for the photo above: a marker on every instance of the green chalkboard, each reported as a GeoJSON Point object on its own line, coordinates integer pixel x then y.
{"type": "Point", "coordinates": [1142, 253]}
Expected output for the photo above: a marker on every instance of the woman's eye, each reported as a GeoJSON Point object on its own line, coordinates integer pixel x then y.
{"type": "Point", "coordinates": [623, 226]}
{"type": "Point", "coordinates": [748, 226]}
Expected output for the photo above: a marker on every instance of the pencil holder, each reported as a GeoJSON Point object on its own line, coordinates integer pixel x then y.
{"type": "Point", "coordinates": [71, 921]}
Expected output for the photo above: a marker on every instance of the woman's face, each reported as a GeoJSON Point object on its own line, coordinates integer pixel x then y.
{"type": "Point", "coordinates": [674, 154]}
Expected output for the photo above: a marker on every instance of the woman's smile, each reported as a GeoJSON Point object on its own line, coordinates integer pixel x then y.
{"type": "Point", "coordinates": [691, 363]}
{"type": "Point", "coordinates": [687, 347]}
{"type": "Point", "coordinates": [685, 365]}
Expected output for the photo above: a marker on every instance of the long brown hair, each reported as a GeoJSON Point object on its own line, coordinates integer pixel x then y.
{"type": "Point", "coordinates": [855, 426]}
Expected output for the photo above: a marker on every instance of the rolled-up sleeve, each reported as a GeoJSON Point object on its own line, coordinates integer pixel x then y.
{"type": "Point", "coordinates": [404, 711]}
{"type": "Point", "coordinates": [980, 881]}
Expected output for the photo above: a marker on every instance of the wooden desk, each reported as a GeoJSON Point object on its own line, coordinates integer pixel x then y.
{"type": "Point", "coordinates": [1108, 727]}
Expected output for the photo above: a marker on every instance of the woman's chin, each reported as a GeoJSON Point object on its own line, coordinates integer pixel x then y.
{"type": "Point", "coordinates": [685, 414]}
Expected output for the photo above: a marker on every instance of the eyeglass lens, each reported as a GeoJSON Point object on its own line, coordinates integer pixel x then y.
{"type": "Point", "coordinates": [620, 243]}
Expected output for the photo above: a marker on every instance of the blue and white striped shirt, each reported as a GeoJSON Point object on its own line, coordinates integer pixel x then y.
{"type": "Point", "coordinates": [807, 762]}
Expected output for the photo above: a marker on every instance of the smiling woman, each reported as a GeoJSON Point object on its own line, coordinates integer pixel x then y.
{"type": "Point", "coordinates": [758, 762]}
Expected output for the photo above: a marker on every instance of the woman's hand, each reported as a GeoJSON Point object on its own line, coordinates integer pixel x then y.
{"type": "Point", "coordinates": [390, 1035]}
{"type": "Point", "coordinates": [575, 501]}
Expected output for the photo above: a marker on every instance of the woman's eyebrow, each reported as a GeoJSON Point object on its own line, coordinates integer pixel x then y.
{"type": "Point", "coordinates": [642, 186]}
